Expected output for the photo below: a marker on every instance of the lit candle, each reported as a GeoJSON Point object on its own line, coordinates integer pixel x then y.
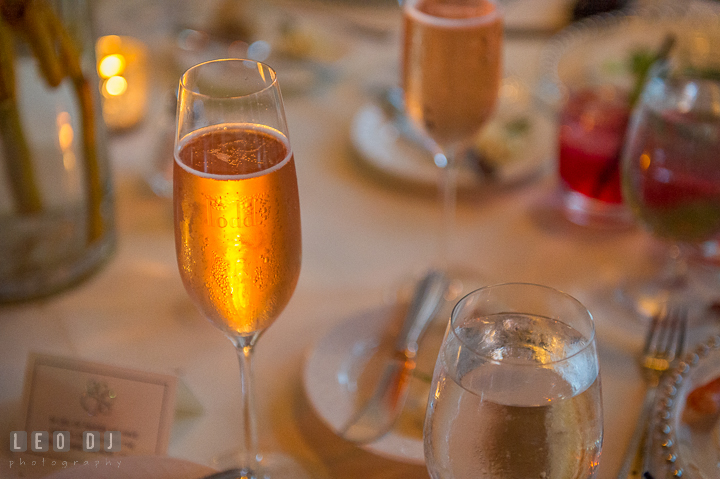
{"type": "Point", "coordinates": [122, 67]}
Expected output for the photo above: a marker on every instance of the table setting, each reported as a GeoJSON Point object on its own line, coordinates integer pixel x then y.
{"type": "Point", "coordinates": [445, 238]}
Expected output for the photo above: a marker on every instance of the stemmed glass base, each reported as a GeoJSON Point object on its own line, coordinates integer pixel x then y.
{"type": "Point", "coordinates": [676, 283]}
{"type": "Point", "coordinates": [647, 299]}
{"type": "Point", "coordinates": [585, 211]}
{"type": "Point", "coordinates": [461, 281]}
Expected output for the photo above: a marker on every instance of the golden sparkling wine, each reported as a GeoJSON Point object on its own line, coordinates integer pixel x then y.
{"type": "Point", "coordinates": [451, 66]}
{"type": "Point", "coordinates": [237, 224]}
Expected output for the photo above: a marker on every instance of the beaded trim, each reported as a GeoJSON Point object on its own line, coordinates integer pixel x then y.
{"type": "Point", "coordinates": [671, 387]}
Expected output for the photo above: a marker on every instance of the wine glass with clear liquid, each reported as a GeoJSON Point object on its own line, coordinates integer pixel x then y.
{"type": "Point", "coordinates": [671, 177]}
{"type": "Point", "coordinates": [237, 219]}
{"type": "Point", "coordinates": [516, 389]}
{"type": "Point", "coordinates": [451, 69]}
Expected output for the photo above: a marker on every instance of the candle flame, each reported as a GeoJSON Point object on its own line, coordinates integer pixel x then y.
{"type": "Point", "coordinates": [115, 86]}
{"type": "Point", "coordinates": [112, 65]}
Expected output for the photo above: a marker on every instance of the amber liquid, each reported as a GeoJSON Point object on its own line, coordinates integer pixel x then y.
{"type": "Point", "coordinates": [237, 224]}
{"type": "Point", "coordinates": [451, 66]}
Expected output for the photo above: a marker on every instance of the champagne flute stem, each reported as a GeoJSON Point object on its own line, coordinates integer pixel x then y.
{"type": "Point", "coordinates": [448, 199]}
{"type": "Point", "coordinates": [249, 440]}
{"type": "Point", "coordinates": [677, 269]}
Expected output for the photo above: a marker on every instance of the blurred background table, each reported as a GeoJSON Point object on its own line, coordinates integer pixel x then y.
{"type": "Point", "coordinates": [361, 240]}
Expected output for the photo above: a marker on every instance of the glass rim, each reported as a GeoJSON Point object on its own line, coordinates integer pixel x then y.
{"type": "Point", "coordinates": [272, 71]}
{"type": "Point", "coordinates": [589, 340]}
{"type": "Point", "coordinates": [408, 5]}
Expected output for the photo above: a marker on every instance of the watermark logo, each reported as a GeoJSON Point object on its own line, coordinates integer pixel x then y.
{"type": "Point", "coordinates": [92, 441]}
{"type": "Point", "coordinates": [22, 463]}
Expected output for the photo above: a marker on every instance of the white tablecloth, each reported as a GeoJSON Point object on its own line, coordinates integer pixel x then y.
{"type": "Point", "coordinates": [360, 240]}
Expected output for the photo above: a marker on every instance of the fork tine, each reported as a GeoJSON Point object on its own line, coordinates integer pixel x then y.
{"type": "Point", "coordinates": [674, 337]}
{"type": "Point", "coordinates": [672, 318]}
{"type": "Point", "coordinates": [651, 336]}
{"type": "Point", "coordinates": [683, 319]}
{"type": "Point", "coordinates": [665, 338]}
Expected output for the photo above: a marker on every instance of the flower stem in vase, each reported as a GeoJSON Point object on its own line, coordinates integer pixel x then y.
{"type": "Point", "coordinates": [15, 148]}
{"type": "Point", "coordinates": [58, 57]}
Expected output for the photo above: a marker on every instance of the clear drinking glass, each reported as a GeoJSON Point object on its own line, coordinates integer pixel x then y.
{"type": "Point", "coordinates": [671, 173]}
{"type": "Point", "coordinates": [516, 388]}
{"type": "Point", "coordinates": [452, 55]}
{"type": "Point", "coordinates": [237, 218]}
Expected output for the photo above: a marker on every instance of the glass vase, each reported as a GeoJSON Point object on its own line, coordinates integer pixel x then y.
{"type": "Point", "coordinates": [56, 204]}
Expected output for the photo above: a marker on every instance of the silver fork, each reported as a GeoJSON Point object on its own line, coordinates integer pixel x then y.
{"type": "Point", "coordinates": [664, 343]}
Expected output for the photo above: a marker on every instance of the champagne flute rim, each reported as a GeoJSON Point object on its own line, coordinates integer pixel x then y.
{"type": "Point", "coordinates": [271, 70]}
{"type": "Point", "coordinates": [409, 6]}
{"type": "Point", "coordinates": [279, 135]}
{"type": "Point", "coordinates": [588, 340]}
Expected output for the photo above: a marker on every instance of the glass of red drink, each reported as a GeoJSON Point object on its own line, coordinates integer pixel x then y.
{"type": "Point", "coordinates": [591, 74]}
{"type": "Point", "coordinates": [590, 139]}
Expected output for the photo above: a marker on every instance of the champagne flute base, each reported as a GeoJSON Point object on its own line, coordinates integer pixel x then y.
{"type": "Point", "coordinates": [586, 211]}
{"type": "Point", "coordinates": [644, 299]}
{"type": "Point", "coordinates": [462, 280]}
{"type": "Point", "coordinates": [647, 297]}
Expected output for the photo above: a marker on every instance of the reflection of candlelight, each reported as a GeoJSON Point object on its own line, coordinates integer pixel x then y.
{"type": "Point", "coordinates": [65, 138]}
{"type": "Point", "coordinates": [122, 66]}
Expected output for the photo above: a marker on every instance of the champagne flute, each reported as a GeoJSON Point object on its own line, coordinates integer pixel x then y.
{"type": "Point", "coordinates": [671, 175]}
{"type": "Point", "coordinates": [237, 217]}
{"type": "Point", "coordinates": [451, 77]}
{"type": "Point", "coordinates": [516, 389]}
{"type": "Point", "coordinates": [452, 52]}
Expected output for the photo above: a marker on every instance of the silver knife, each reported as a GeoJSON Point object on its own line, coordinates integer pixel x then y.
{"type": "Point", "coordinates": [374, 419]}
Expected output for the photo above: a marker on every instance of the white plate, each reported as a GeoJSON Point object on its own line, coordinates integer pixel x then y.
{"type": "Point", "coordinates": [343, 367]}
{"type": "Point", "coordinates": [339, 365]}
{"type": "Point", "coordinates": [136, 467]}
{"type": "Point", "coordinates": [395, 159]}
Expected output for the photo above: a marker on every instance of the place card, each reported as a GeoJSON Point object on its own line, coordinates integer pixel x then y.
{"type": "Point", "coordinates": [134, 408]}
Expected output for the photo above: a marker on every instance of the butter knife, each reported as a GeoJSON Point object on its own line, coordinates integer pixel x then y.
{"type": "Point", "coordinates": [376, 417]}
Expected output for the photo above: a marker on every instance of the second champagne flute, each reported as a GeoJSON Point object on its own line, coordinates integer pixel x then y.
{"type": "Point", "coordinates": [237, 220]}
{"type": "Point", "coordinates": [451, 67]}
